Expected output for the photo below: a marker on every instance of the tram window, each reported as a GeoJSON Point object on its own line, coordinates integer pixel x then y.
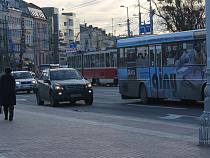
{"type": "Point", "coordinates": [97, 63]}
{"type": "Point", "coordinates": [85, 60]}
{"type": "Point", "coordinates": [92, 60]}
{"type": "Point", "coordinates": [79, 61]}
{"type": "Point", "coordinates": [70, 61]}
{"type": "Point", "coordinates": [107, 60]}
{"type": "Point", "coordinates": [112, 59]}
{"type": "Point", "coordinates": [102, 60]}
{"type": "Point", "coordinates": [115, 59]}
{"type": "Point", "coordinates": [88, 61]}
{"type": "Point", "coordinates": [75, 64]}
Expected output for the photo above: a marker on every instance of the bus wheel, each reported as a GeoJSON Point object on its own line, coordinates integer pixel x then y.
{"type": "Point", "coordinates": [143, 94]}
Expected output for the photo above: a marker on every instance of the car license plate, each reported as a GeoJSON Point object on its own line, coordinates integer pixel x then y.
{"type": "Point", "coordinates": [76, 95]}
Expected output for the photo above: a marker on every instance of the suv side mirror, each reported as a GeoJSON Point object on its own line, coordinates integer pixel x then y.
{"type": "Point", "coordinates": [47, 81]}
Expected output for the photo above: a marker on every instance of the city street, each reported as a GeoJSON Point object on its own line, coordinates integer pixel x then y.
{"type": "Point", "coordinates": [111, 127]}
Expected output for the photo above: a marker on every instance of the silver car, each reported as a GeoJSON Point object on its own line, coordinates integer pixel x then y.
{"type": "Point", "coordinates": [24, 81]}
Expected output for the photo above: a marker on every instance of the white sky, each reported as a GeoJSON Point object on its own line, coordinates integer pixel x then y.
{"type": "Point", "coordinates": [99, 13]}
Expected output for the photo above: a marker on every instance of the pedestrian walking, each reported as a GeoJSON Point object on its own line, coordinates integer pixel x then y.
{"type": "Point", "coordinates": [7, 93]}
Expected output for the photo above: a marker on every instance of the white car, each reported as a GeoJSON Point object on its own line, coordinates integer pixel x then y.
{"type": "Point", "coordinates": [24, 81]}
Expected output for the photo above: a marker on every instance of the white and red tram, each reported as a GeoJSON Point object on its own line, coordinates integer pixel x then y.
{"type": "Point", "coordinates": [100, 67]}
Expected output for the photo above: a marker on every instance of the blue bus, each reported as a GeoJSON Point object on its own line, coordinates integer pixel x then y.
{"type": "Point", "coordinates": [165, 66]}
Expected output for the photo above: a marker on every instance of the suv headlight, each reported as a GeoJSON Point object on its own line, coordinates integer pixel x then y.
{"type": "Point", "coordinates": [17, 82]}
{"type": "Point", "coordinates": [58, 87]}
{"type": "Point", "coordinates": [88, 85]}
{"type": "Point", "coordinates": [34, 82]}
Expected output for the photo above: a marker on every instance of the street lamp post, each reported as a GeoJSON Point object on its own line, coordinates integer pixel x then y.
{"type": "Point", "coordinates": [151, 19]}
{"type": "Point", "coordinates": [139, 17]}
{"type": "Point", "coordinates": [128, 22]}
{"type": "Point", "coordinates": [204, 130]}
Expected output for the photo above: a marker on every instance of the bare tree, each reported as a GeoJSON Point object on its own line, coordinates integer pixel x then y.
{"type": "Point", "coordinates": [180, 15]}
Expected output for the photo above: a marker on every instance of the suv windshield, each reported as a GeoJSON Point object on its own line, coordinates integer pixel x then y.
{"type": "Point", "coordinates": [21, 75]}
{"type": "Point", "coordinates": [65, 75]}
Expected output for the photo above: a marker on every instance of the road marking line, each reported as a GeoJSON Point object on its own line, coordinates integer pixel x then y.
{"type": "Point", "coordinates": [175, 116]}
{"type": "Point", "coordinates": [21, 100]}
{"type": "Point", "coordinates": [163, 107]}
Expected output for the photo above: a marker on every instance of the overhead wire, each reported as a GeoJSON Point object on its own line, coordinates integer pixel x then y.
{"type": "Point", "coordinates": [84, 5]}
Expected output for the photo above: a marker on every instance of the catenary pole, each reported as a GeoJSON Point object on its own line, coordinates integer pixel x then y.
{"type": "Point", "coordinates": [139, 17]}
{"type": "Point", "coordinates": [151, 17]}
{"type": "Point", "coordinates": [204, 130]}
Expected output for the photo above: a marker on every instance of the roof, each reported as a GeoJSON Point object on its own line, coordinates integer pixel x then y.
{"type": "Point", "coordinates": [60, 69]}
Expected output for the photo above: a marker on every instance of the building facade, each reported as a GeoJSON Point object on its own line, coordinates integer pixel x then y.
{"type": "Point", "coordinates": [94, 38]}
{"type": "Point", "coordinates": [69, 35]}
{"type": "Point", "coordinates": [26, 35]}
{"type": "Point", "coordinates": [10, 36]}
{"type": "Point", "coordinates": [40, 36]}
{"type": "Point", "coordinates": [53, 18]}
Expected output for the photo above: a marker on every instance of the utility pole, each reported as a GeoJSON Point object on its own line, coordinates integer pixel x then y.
{"type": "Point", "coordinates": [151, 19]}
{"type": "Point", "coordinates": [128, 21]}
{"type": "Point", "coordinates": [204, 130]}
{"type": "Point", "coordinates": [6, 43]}
{"type": "Point", "coordinates": [112, 28]}
{"type": "Point", "coordinates": [139, 17]}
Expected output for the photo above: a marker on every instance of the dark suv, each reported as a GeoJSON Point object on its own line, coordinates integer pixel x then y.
{"type": "Point", "coordinates": [63, 84]}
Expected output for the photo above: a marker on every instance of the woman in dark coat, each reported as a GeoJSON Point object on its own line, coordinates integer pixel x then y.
{"type": "Point", "coordinates": [7, 93]}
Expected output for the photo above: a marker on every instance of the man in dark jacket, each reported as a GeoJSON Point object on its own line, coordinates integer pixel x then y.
{"type": "Point", "coordinates": [7, 93]}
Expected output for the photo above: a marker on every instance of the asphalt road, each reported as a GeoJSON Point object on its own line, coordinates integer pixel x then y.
{"type": "Point", "coordinates": [107, 100]}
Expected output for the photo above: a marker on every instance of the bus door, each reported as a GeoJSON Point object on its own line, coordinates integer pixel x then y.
{"type": "Point", "coordinates": [156, 73]}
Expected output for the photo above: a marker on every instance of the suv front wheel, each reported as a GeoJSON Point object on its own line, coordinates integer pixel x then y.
{"type": "Point", "coordinates": [89, 101]}
{"type": "Point", "coordinates": [53, 102]}
{"type": "Point", "coordinates": [38, 99]}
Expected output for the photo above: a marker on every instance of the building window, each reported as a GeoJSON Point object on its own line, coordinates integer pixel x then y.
{"type": "Point", "coordinates": [65, 24]}
{"type": "Point", "coordinates": [65, 34]}
{"type": "Point", "coordinates": [71, 23]}
{"type": "Point", "coordinates": [71, 33]}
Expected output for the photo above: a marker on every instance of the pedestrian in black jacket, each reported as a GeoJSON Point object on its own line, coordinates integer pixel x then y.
{"type": "Point", "coordinates": [7, 93]}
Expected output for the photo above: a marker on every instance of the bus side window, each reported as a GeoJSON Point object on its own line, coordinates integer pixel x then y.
{"type": "Point", "coordinates": [152, 56]}
{"type": "Point", "coordinates": [121, 57]}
